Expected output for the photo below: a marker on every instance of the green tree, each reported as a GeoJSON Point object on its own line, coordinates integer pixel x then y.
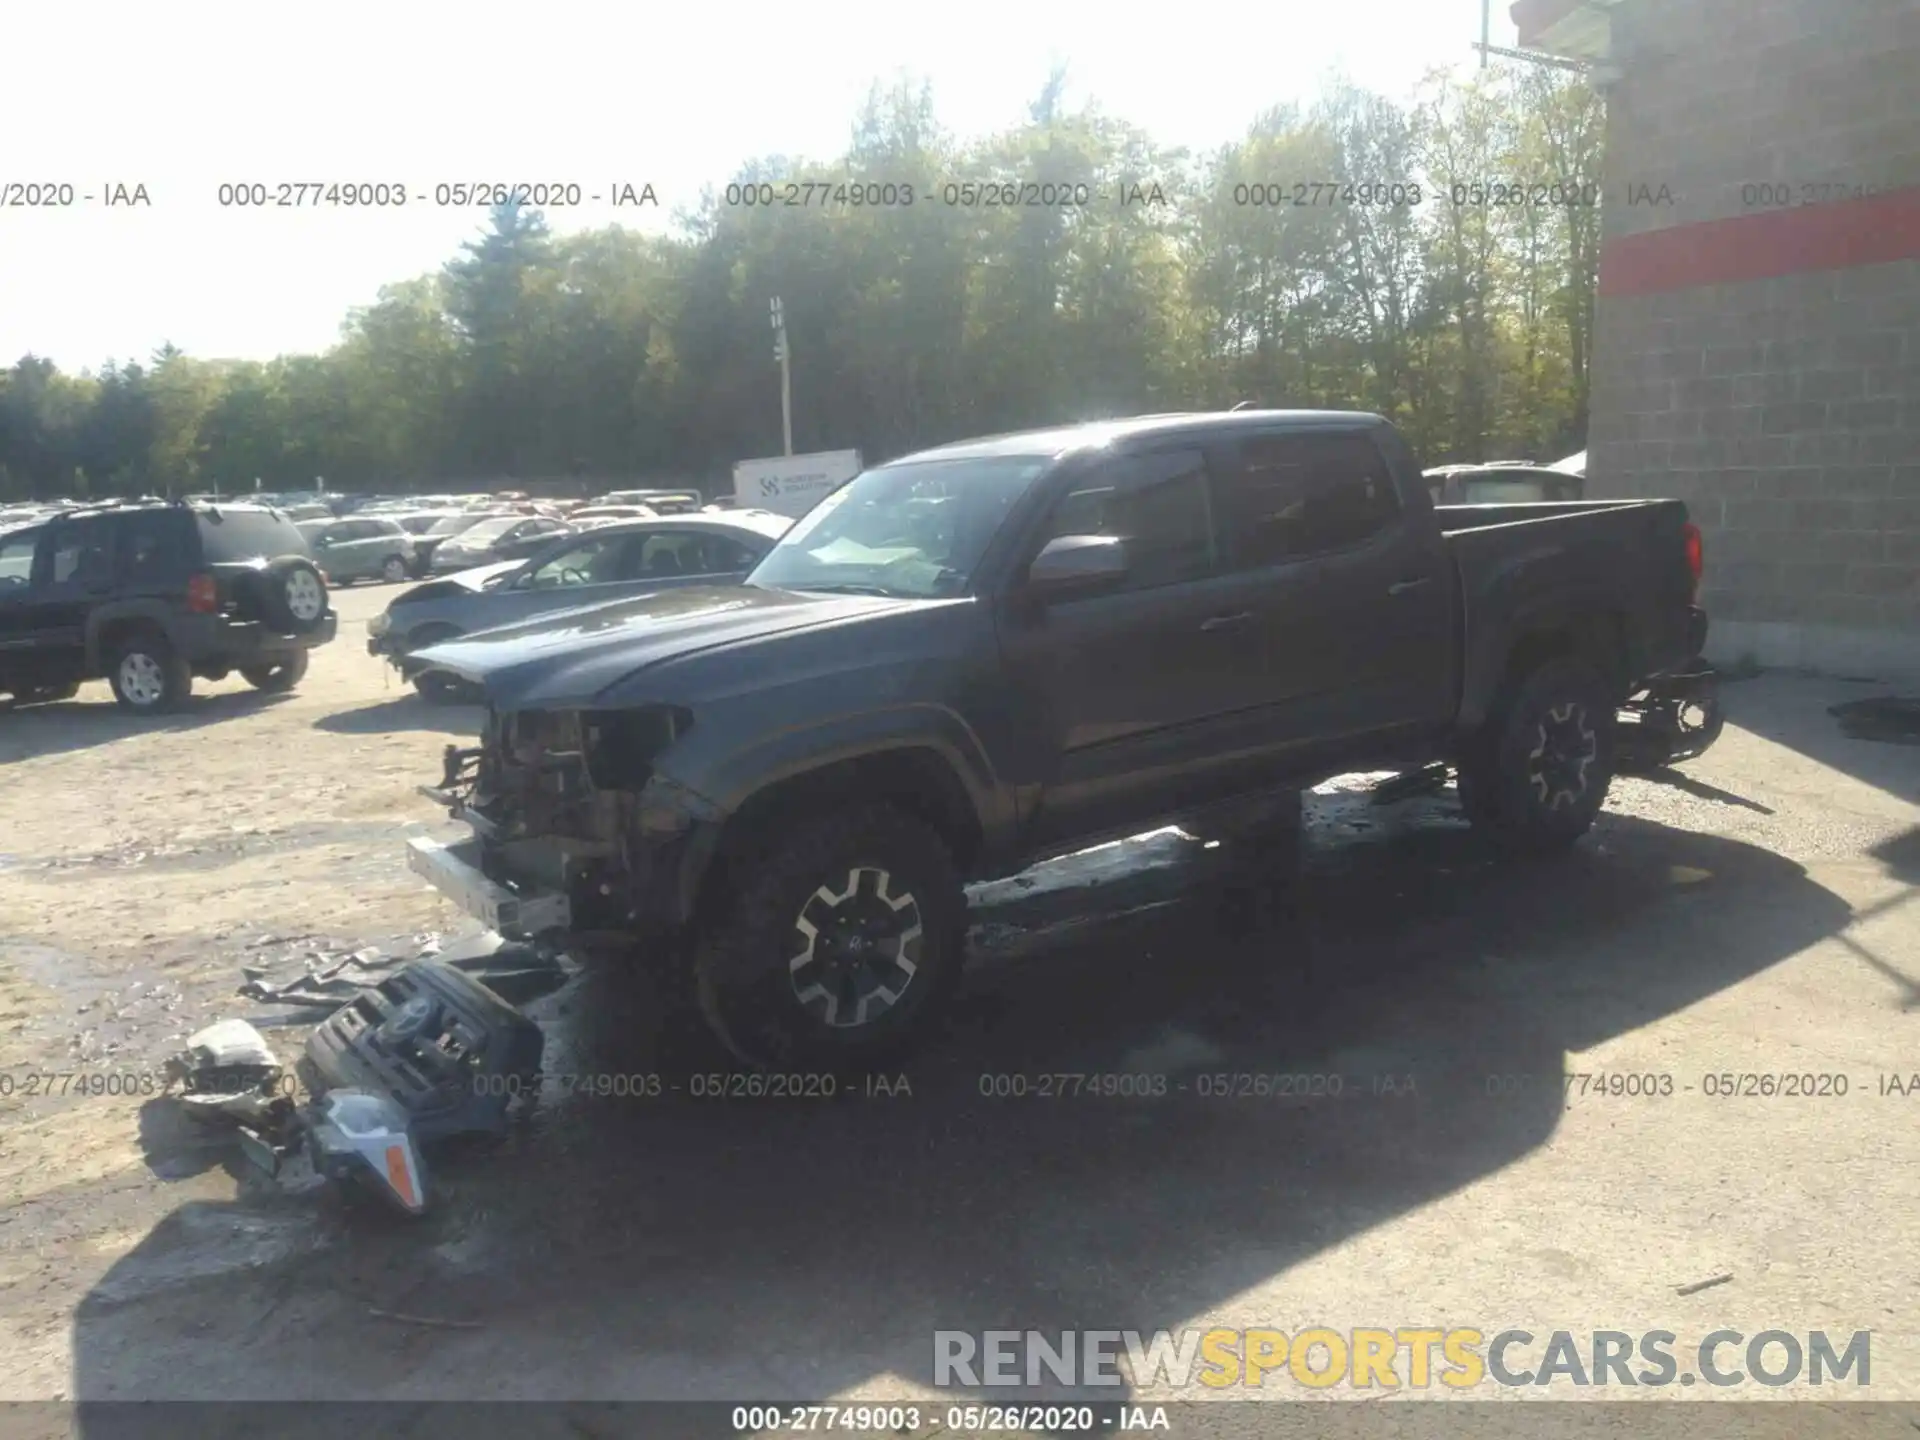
{"type": "Point", "coordinates": [1290, 267]}
{"type": "Point", "coordinates": [486, 297]}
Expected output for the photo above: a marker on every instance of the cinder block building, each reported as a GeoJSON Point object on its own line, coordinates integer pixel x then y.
{"type": "Point", "coordinates": [1757, 342]}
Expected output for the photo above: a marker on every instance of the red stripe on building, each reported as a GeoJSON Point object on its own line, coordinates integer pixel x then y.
{"type": "Point", "coordinates": [1787, 241]}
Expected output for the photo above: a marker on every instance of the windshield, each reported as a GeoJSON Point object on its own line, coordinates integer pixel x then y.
{"type": "Point", "coordinates": [916, 529]}
{"type": "Point", "coordinates": [485, 532]}
{"type": "Point", "coordinates": [454, 524]}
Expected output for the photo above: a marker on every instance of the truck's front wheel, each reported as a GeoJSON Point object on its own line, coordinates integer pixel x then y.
{"type": "Point", "coordinates": [1536, 776]}
{"type": "Point", "coordinates": [837, 945]}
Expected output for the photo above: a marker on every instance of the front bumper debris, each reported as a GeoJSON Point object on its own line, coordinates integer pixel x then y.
{"type": "Point", "coordinates": [451, 1053]}
{"type": "Point", "coordinates": [430, 1052]}
{"type": "Point", "coordinates": [515, 911]}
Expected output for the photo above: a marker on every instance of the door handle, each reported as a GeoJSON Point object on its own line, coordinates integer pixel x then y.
{"type": "Point", "coordinates": [1405, 585]}
{"type": "Point", "coordinates": [1226, 622]}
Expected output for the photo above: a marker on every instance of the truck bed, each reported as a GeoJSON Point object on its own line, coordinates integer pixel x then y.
{"type": "Point", "coordinates": [1615, 568]}
{"type": "Point", "coordinates": [1454, 519]}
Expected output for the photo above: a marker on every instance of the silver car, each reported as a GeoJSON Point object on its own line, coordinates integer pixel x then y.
{"type": "Point", "coordinates": [609, 562]}
{"type": "Point", "coordinates": [361, 547]}
{"type": "Point", "coordinates": [511, 536]}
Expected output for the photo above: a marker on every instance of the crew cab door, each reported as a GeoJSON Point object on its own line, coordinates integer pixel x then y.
{"type": "Point", "coordinates": [1137, 689]}
{"type": "Point", "coordinates": [1358, 612]}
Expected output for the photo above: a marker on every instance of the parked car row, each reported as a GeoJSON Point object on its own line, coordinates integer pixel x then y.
{"type": "Point", "coordinates": [150, 595]}
{"type": "Point", "coordinates": [583, 569]}
{"type": "Point", "coordinates": [399, 545]}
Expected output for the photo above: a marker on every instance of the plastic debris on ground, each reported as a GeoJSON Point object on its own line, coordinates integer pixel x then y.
{"type": "Point", "coordinates": [324, 979]}
{"type": "Point", "coordinates": [228, 1071]}
{"type": "Point", "coordinates": [430, 1000]}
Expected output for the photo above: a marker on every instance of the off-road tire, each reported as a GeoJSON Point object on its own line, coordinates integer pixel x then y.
{"type": "Point", "coordinates": [291, 595]}
{"type": "Point", "coordinates": [754, 958]}
{"type": "Point", "coordinates": [281, 675]}
{"type": "Point", "coordinates": [1535, 777]}
{"type": "Point", "coordinates": [147, 674]}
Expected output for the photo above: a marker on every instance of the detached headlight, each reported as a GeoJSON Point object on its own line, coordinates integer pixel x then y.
{"type": "Point", "coordinates": [379, 625]}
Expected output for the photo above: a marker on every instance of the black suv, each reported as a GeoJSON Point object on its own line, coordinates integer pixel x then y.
{"type": "Point", "coordinates": [148, 596]}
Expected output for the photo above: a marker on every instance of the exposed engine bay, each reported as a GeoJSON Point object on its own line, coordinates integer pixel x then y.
{"type": "Point", "coordinates": [555, 802]}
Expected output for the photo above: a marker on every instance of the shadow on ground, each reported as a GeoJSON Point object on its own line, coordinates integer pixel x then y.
{"type": "Point", "coordinates": [1826, 721]}
{"type": "Point", "coordinates": [1901, 855]}
{"type": "Point", "coordinates": [67, 725]}
{"type": "Point", "coordinates": [408, 712]}
{"type": "Point", "coordinates": [731, 1248]}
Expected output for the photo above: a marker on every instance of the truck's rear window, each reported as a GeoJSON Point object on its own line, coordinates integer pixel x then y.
{"type": "Point", "coordinates": [230, 536]}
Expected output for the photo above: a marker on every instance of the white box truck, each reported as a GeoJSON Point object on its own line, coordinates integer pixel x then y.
{"type": "Point", "coordinates": [791, 484]}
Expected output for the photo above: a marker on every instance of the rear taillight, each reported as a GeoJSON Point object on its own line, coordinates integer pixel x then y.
{"type": "Point", "coordinates": [1696, 554]}
{"type": "Point", "coordinates": [203, 595]}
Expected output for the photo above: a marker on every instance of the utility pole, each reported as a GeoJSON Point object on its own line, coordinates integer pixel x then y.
{"type": "Point", "coordinates": [1486, 30]}
{"type": "Point", "coordinates": [781, 352]}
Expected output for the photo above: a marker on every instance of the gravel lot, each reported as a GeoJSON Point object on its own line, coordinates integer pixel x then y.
{"type": "Point", "coordinates": [1753, 913]}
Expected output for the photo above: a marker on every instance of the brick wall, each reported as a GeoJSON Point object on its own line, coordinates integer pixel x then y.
{"type": "Point", "coordinates": [1785, 411]}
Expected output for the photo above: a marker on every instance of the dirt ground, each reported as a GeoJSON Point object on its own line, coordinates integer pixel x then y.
{"type": "Point", "coordinates": [1750, 914]}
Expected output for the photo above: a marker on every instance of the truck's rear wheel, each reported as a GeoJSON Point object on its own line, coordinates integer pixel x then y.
{"type": "Point", "coordinates": [1536, 776]}
{"type": "Point", "coordinates": [837, 946]}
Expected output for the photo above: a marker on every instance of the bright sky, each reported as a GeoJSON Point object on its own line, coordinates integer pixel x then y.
{"type": "Point", "coordinates": [185, 95]}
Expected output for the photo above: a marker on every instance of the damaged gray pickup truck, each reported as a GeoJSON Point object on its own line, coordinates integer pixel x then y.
{"type": "Point", "coordinates": [973, 658]}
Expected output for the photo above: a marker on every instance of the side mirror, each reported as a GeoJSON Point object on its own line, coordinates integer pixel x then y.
{"type": "Point", "coordinates": [1075, 564]}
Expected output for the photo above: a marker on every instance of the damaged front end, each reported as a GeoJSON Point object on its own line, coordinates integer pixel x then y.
{"type": "Point", "coordinates": [573, 828]}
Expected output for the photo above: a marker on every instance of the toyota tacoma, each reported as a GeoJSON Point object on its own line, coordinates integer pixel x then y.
{"type": "Point", "coordinates": [977, 657]}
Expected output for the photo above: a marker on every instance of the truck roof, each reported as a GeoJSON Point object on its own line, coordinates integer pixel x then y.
{"type": "Point", "coordinates": [1094, 434]}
